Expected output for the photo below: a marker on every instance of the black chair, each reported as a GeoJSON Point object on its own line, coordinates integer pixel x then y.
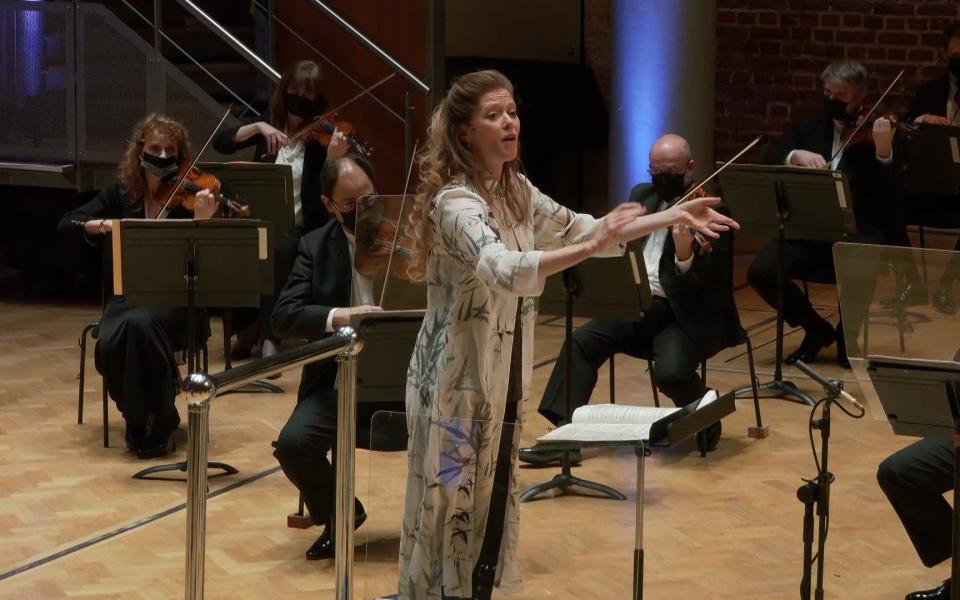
{"type": "Point", "coordinates": [758, 431]}
{"type": "Point", "coordinates": [91, 330]}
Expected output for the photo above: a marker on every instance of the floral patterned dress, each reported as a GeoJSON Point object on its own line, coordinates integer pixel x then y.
{"type": "Point", "coordinates": [479, 274]}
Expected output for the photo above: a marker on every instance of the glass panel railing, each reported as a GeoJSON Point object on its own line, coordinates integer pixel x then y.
{"type": "Point", "coordinates": [383, 250]}
{"type": "Point", "coordinates": [897, 305]}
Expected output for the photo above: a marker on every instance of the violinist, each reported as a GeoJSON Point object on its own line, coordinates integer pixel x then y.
{"type": "Point", "coordinates": [815, 142]}
{"type": "Point", "coordinates": [320, 296]}
{"type": "Point", "coordinates": [692, 317]}
{"type": "Point", "coordinates": [937, 102]}
{"type": "Point", "coordinates": [136, 345]}
{"type": "Point", "coordinates": [298, 98]}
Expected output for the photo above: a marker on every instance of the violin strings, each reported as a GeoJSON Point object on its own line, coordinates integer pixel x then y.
{"type": "Point", "coordinates": [396, 232]}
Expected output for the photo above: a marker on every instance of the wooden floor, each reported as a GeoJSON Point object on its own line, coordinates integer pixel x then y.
{"type": "Point", "coordinates": [73, 522]}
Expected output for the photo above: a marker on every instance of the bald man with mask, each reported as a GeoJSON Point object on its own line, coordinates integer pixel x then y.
{"type": "Point", "coordinates": [693, 315]}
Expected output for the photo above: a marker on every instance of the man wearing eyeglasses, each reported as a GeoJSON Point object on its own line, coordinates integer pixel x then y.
{"type": "Point", "coordinates": [314, 303]}
{"type": "Point", "coordinates": [692, 317]}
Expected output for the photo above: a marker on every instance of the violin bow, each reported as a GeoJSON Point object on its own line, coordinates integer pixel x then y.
{"type": "Point", "coordinates": [747, 148]}
{"type": "Point", "coordinates": [334, 111]}
{"type": "Point", "coordinates": [163, 211]}
{"type": "Point", "coordinates": [396, 232]}
{"type": "Point", "coordinates": [873, 109]}
{"type": "Point", "coordinates": [699, 186]}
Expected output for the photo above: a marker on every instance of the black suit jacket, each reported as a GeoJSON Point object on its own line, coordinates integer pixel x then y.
{"type": "Point", "coordinates": [873, 185]}
{"type": "Point", "coordinates": [315, 154]}
{"type": "Point", "coordinates": [320, 281]}
{"type": "Point", "coordinates": [702, 298]}
{"type": "Point", "coordinates": [931, 98]}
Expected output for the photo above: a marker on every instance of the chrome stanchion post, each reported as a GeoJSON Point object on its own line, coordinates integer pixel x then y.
{"type": "Point", "coordinates": [346, 446]}
{"type": "Point", "coordinates": [199, 391]}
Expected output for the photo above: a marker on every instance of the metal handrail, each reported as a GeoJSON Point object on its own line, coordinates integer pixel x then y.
{"type": "Point", "coordinates": [369, 45]}
{"type": "Point", "coordinates": [201, 389]}
{"type": "Point", "coordinates": [206, 71]}
{"type": "Point", "coordinates": [231, 41]}
{"type": "Point", "coordinates": [269, 13]}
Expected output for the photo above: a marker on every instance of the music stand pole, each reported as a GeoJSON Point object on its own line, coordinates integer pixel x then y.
{"type": "Point", "coordinates": [190, 277]}
{"type": "Point", "coordinates": [565, 479]}
{"type": "Point", "coordinates": [779, 386]}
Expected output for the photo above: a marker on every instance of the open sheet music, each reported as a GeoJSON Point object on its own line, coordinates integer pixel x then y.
{"type": "Point", "coordinates": [619, 423]}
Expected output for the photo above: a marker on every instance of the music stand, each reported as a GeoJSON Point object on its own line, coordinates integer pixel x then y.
{"type": "Point", "coordinates": [931, 156]}
{"type": "Point", "coordinates": [191, 263]}
{"type": "Point", "coordinates": [899, 384]}
{"type": "Point", "coordinates": [598, 288]}
{"type": "Point", "coordinates": [267, 189]}
{"type": "Point", "coordinates": [790, 203]}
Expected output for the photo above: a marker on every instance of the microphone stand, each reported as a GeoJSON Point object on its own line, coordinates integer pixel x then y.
{"type": "Point", "coordinates": [816, 492]}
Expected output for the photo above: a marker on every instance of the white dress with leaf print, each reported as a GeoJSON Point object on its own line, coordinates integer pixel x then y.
{"type": "Point", "coordinates": [457, 384]}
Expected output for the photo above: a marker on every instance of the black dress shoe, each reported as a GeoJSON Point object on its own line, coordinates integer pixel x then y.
{"type": "Point", "coordinates": [539, 456]}
{"type": "Point", "coordinates": [943, 299]}
{"type": "Point", "coordinates": [941, 592]}
{"type": "Point", "coordinates": [159, 440]}
{"type": "Point", "coordinates": [813, 342]}
{"type": "Point", "coordinates": [134, 435]}
{"type": "Point", "coordinates": [323, 549]}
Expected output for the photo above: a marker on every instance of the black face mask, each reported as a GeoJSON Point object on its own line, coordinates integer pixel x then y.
{"type": "Point", "coordinates": [954, 65]}
{"type": "Point", "coordinates": [669, 186]}
{"type": "Point", "coordinates": [349, 220]}
{"type": "Point", "coordinates": [305, 108]}
{"type": "Point", "coordinates": [836, 110]}
{"type": "Point", "coordinates": [161, 167]}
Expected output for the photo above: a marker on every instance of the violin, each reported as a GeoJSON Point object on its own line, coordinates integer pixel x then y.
{"type": "Point", "coordinates": [858, 133]}
{"type": "Point", "coordinates": [192, 180]}
{"type": "Point", "coordinates": [859, 130]}
{"type": "Point", "coordinates": [321, 130]}
{"type": "Point", "coordinates": [322, 125]}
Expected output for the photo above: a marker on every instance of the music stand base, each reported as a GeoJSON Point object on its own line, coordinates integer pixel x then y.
{"type": "Point", "coordinates": [256, 387]}
{"type": "Point", "coordinates": [780, 389]}
{"type": "Point", "coordinates": [758, 432]}
{"type": "Point", "coordinates": [565, 481]}
{"type": "Point", "coordinates": [182, 467]}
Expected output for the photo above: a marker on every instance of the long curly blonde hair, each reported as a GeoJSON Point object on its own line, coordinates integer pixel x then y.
{"type": "Point", "coordinates": [129, 172]}
{"type": "Point", "coordinates": [446, 158]}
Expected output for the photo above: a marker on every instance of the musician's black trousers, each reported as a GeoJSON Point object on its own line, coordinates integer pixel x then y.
{"type": "Point", "coordinates": [135, 355]}
{"type": "Point", "coordinates": [801, 260]}
{"type": "Point", "coordinates": [302, 449]}
{"type": "Point", "coordinates": [657, 336]}
{"type": "Point", "coordinates": [914, 480]}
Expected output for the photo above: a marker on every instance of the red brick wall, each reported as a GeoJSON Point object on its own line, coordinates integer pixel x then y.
{"type": "Point", "coordinates": [770, 54]}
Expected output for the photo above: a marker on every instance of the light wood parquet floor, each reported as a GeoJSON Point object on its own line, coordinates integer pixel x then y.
{"type": "Point", "coordinates": [723, 527]}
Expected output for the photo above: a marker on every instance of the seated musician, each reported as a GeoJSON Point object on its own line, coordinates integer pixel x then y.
{"type": "Point", "coordinates": [314, 303]}
{"type": "Point", "coordinates": [812, 143]}
{"type": "Point", "coordinates": [914, 480]}
{"type": "Point", "coordinates": [136, 344]}
{"type": "Point", "coordinates": [937, 102]}
{"type": "Point", "coordinates": [298, 99]}
{"type": "Point", "coordinates": [693, 315]}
